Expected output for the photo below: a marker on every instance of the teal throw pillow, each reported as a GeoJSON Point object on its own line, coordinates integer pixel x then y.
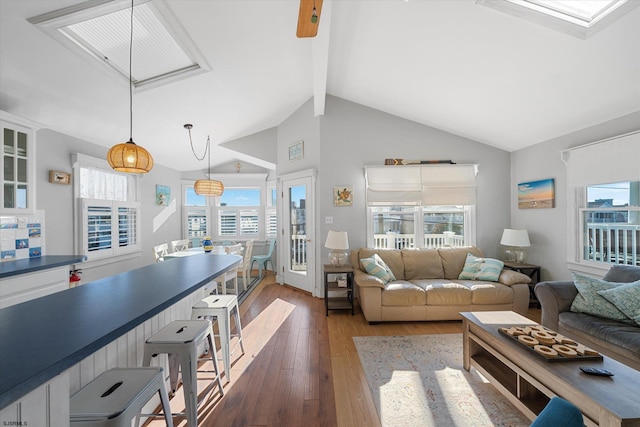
{"type": "Point", "coordinates": [475, 268]}
{"type": "Point", "coordinates": [589, 301]}
{"type": "Point", "coordinates": [376, 266]}
{"type": "Point", "coordinates": [626, 298]}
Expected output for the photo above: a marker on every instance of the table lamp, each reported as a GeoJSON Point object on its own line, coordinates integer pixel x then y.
{"type": "Point", "coordinates": [516, 240]}
{"type": "Point", "coordinates": [338, 243]}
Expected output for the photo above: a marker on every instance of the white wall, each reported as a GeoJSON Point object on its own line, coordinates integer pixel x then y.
{"type": "Point", "coordinates": [53, 152]}
{"type": "Point", "coordinates": [547, 227]}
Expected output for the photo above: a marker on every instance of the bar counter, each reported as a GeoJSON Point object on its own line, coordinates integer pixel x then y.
{"type": "Point", "coordinates": [41, 338]}
{"type": "Point", "coordinates": [30, 265]}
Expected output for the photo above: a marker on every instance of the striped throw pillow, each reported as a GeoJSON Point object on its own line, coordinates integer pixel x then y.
{"type": "Point", "coordinates": [375, 266]}
{"type": "Point", "coordinates": [487, 269]}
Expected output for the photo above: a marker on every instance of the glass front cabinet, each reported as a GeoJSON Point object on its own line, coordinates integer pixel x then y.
{"type": "Point", "coordinates": [17, 193]}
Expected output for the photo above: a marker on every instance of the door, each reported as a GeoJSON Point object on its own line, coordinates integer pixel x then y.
{"type": "Point", "coordinates": [298, 230]}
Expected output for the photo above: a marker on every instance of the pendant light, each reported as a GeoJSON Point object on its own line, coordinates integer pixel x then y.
{"type": "Point", "coordinates": [205, 187]}
{"type": "Point", "coordinates": [127, 156]}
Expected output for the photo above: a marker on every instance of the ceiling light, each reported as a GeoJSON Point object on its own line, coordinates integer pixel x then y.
{"type": "Point", "coordinates": [205, 187]}
{"type": "Point", "coordinates": [127, 156]}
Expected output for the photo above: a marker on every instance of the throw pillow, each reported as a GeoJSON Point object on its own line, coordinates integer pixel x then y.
{"type": "Point", "coordinates": [476, 268]}
{"type": "Point", "coordinates": [374, 265]}
{"type": "Point", "coordinates": [626, 298]}
{"type": "Point", "coordinates": [589, 301]}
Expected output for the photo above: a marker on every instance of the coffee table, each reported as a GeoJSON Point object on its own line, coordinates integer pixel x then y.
{"type": "Point", "coordinates": [529, 381]}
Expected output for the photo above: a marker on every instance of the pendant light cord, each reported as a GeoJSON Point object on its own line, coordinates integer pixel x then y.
{"type": "Point", "coordinates": [130, 78]}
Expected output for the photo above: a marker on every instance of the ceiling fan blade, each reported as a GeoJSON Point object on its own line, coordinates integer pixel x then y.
{"type": "Point", "coordinates": [307, 28]}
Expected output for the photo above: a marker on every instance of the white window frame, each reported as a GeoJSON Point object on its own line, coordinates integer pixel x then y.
{"type": "Point", "coordinates": [271, 211]}
{"type": "Point", "coordinates": [239, 212]}
{"type": "Point", "coordinates": [187, 210]}
{"type": "Point", "coordinates": [116, 253]}
{"type": "Point", "coordinates": [584, 168]}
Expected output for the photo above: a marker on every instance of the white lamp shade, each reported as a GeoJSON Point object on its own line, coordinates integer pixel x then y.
{"type": "Point", "coordinates": [515, 238]}
{"type": "Point", "coordinates": [337, 240]}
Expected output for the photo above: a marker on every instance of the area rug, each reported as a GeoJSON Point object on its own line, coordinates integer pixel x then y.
{"type": "Point", "coordinates": [418, 380]}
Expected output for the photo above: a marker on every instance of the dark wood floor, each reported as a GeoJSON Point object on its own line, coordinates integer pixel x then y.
{"type": "Point", "coordinates": [300, 367]}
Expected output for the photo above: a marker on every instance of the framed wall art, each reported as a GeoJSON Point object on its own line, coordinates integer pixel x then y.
{"type": "Point", "coordinates": [342, 195]}
{"type": "Point", "coordinates": [57, 177]}
{"type": "Point", "coordinates": [163, 195]}
{"type": "Point", "coordinates": [536, 194]}
{"type": "Point", "coordinates": [296, 151]}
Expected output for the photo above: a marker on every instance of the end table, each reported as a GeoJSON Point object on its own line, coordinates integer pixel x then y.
{"type": "Point", "coordinates": [338, 302]}
{"type": "Point", "coordinates": [533, 271]}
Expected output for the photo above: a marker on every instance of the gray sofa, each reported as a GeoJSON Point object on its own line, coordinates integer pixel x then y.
{"type": "Point", "coordinates": [618, 340]}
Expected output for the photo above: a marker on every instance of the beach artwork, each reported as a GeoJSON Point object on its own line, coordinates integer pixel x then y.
{"type": "Point", "coordinates": [536, 194]}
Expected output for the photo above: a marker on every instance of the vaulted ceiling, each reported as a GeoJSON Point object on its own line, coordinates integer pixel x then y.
{"type": "Point", "coordinates": [455, 65]}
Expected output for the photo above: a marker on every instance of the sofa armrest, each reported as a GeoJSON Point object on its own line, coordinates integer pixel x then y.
{"type": "Point", "coordinates": [555, 298]}
{"type": "Point", "coordinates": [511, 277]}
{"type": "Point", "coordinates": [365, 280]}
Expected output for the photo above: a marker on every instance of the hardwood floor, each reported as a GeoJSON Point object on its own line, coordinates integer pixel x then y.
{"type": "Point", "coordinates": [300, 367]}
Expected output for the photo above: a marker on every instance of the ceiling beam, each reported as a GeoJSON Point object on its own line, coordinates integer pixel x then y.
{"type": "Point", "coordinates": [320, 58]}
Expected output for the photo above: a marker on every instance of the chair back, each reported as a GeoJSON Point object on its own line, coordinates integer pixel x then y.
{"type": "Point", "coordinates": [272, 245]}
{"type": "Point", "coordinates": [233, 249]}
{"type": "Point", "coordinates": [246, 261]}
{"type": "Point", "coordinates": [179, 245]}
{"type": "Point", "coordinates": [160, 251]}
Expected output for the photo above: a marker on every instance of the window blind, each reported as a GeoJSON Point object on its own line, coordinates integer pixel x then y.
{"type": "Point", "coordinates": [426, 185]}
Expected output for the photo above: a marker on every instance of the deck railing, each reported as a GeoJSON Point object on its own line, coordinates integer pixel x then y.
{"type": "Point", "coordinates": [613, 243]}
{"type": "Point", "coordinates": [299, 252]}
{"type": "Point", "coordinates": [401, 241]}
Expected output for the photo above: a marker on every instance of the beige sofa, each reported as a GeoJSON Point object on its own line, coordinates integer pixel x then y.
{"type": "Point", "coordinates": [427, 286]}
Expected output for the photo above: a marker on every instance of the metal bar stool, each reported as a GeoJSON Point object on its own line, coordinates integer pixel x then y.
{"type": "Point", "coordinates": [180, 340]}
{"type": "Point", "coordinates": [221, 307]}
{"type": "Point", "coordinates": [116, 396]}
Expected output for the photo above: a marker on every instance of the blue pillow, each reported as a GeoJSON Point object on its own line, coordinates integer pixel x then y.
{"type": "Point", "coordinates": [589, 301]}
{"type": "Point", "coordinates": [475, 268]}
{"type": "Point", "coordinates": [376, 266]}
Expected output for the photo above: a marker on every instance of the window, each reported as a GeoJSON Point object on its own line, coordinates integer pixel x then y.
{"type": "Point", "coordinates": [611, 223]}
{"type": "Point", "coordinates": [603, 204]}
{"type": "Point", "coordinates": [109, 211]}
{"type": "Point", "coordinates": [580, 18]}
{"type": "Point", "coordinates": [239, 213]}
{"type": "Point", "coordinates": [101, 34]}
{"type": "Point", "coordinates": [416, 206]}
{"type": "Point", "coordinates": [197, 223]}
{"type": "Point", "coordinates": [271, 217]}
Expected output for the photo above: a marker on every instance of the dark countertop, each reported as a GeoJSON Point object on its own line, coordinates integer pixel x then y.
{"type": "Point", "coordinates": [41, 338]}
{"type": "Point", "coordinates": [29, 265]}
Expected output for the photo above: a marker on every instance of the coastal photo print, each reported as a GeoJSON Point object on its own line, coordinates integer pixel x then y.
{"type": "Point", "coordinates": [536, 194]}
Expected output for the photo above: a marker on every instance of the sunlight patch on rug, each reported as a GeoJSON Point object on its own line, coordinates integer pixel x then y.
{"type": "Point", "coordinates": [418, 380]}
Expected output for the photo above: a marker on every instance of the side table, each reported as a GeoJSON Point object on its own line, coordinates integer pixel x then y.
{"type": "Point", "coordinates": [533, 271]}
{"type": "Point", "coordinates": [338, 302]}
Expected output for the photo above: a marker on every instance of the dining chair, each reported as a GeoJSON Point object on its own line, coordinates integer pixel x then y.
{"type": "Point", "coordinates": [233, 249]}
{"type": "Point", "coordinates": [160, 251]}
{"type": "Point", "coordinates": [246, 264]}
{"type": "Point", "coordinates": [263, 259]}
{"type": "Point", "coordinates": [179, 245]}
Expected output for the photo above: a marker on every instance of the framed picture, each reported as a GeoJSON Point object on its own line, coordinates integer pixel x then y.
{"type": "Point", "coordinates": [163, 195]}
{"type": "Point", "coordinates": [536, 194]}
{"type": "Point", "coordinates": [342, 195]}
{"type": "Point", "coordinates": [296, 151]}
{"type": "Point", "coordinates": [57, 177]}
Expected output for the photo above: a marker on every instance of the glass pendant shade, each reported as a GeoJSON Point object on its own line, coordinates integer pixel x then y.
{"type": "Point", "coordinates": [129, 157]}
{"type": "Point", "coordinates": [208, 187]}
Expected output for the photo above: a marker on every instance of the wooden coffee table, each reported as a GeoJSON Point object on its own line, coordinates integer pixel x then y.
{"type": "Point", "coordinates": [529, 381]}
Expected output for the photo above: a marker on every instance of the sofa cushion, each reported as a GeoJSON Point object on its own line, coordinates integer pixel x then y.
{"type": "Point", "coordinates": [403, 293]}
{"type": "Point", "coordinates": [453, 259]}
{"type": "Point", "coordinates": [391, 257]}
{"type": "Point", "coordinates": [490, 293]}
{"type": "Point", "coordinates": [622, 274]}
{"type": "Point", "coordinates": [374, 265]}
{"type": "Point", "coordinates": [626, 298]}
{"type": "Point", "coordinates": [445, 292]}
{"type": "Point", "coordinates": [476, 268]}
{"type": "Point", "coordinates": [422, 264]}
{"type": "Point", "coordinates": [620, 334]}
{"type": "Point", "coordinates": [588, 300]}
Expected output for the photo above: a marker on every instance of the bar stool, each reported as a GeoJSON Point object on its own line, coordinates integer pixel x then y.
{"type": "Point", "coordinates": [180, 340]}
{"type": "Point", "coordinates": [221, 307]}
{"type": "Point", "coordinates": [116, 396]}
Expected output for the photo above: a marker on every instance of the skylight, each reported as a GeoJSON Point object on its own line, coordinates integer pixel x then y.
{"type": "Point", "coordinates": [161, 52]}
{"type": "Point", "coordinates": [581, 18]}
